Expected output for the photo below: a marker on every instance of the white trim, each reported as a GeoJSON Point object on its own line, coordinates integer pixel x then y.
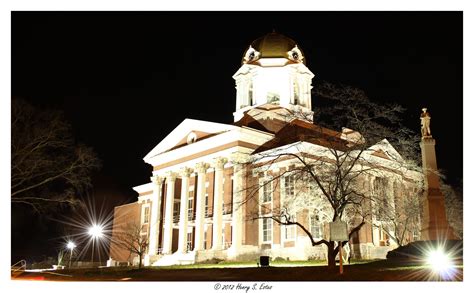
{"type": "Point", "coordinates": [182, 130]}
{"type": "Point", "coordinates": [236, 134]}
{"type": "Point", "coordinates": [144, 187]}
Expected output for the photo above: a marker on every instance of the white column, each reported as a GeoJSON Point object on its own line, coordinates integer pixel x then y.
{"type": "Point", "coordinates": [237, 210]}
{"type": "Point", "coordinates": [155, 215]}
{"type": "Point", "coordinates": [218, 198]}
{"type": "Point", "coordinates": [183, 213]}
{"type": "Point", "coordinates": [200, 205]}
{"type": "Point", "coordinates": [168, 220]}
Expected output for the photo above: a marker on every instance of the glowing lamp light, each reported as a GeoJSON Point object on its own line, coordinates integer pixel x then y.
{"type": "Point", "coordinates": [438, 260]}
{"type": "Point", "coordinates": [441, 264]}
{"type": "Point", "coordinates": [71, 245]}
{"type": "Point", "coordinates": [95, 231]}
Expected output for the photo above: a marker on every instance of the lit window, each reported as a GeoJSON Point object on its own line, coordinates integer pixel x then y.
{"type": "Point", "coordinates": [290, 230]}
{"type": "Point", "coordinates": [267, 192]}
{"type": "Point", "coordinates": [251, 100]}
{"type": "Point", "coordinates": [176, 211]}
{"type": "Point", "coordinates": [273, 98]}
{"type": "Point", "coordinates": [146, 215]}
{"type": "Point", "coordinates": [289, 185]}
{"type": "Point", "coordinates": [223, 235]}
{"type": "Point", "coordinates": [191, 138]}
{"type": "Point", "coordinates": [315, 227]}
{"type": "Point", "coordinates": [295, 93]}
{"type": "Point", "coordinates": [380, 192]}
{"type": "Point", "coordinates": [416, 235]}
{"type": "Point", "coordinates": [267, 230]}
{"type": "Point", "coordinates": [190, 209]}
{"type": "Point", "coordinates": [190, 241]}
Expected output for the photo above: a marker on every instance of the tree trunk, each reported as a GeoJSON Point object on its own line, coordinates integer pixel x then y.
{"type": "Point", "coordinates": [140, 261]}
{"type": "Point", "coordinates": [331, 256]}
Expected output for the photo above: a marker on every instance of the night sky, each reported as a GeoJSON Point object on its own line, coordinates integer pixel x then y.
{"type": "Point", "coordinates": [122, 77]}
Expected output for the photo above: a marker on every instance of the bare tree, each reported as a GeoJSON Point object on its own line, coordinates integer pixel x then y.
{"type": "Point", "coordinates": [400, 217]}
{"type": "Point", "coordinates": [454, 208]}
{"type": "Point", "coordinates": [47, 166]}
{"type": "Point", "coordinates": [132, 238]}
{"type": "Point", "coordinates": [328, 167]}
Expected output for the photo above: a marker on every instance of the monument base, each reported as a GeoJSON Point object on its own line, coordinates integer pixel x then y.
{"type": "Point", "coordinates": [434, 232]}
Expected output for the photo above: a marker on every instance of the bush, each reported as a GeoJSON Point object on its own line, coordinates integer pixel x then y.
{"type": "Point", "coordinates": [212, 261]}
{"type": "Point", "coordinates": [46, 264]}
{"type": "Point", "coordinates": [417, 250]}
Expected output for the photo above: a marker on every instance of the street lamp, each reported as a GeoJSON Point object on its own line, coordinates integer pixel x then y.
{"type": "Point", "coordinates": [440, 262]}
{"type": "Point", "coordinates": [95, 232]}
{"type": "Point", "coordinates": [71, 247]}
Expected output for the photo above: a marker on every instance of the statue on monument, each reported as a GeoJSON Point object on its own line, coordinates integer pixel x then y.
{"type": "Point", "coordinates": [425, 123]}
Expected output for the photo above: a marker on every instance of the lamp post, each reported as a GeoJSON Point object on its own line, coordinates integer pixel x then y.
{"type": "Point", "coordinates": [71, 247]}
{"type": "Point", "coordinates": [95, 232]}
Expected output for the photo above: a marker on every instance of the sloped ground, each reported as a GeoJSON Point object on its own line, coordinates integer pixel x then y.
{"type": "Point", "coordinates": [374, 271]}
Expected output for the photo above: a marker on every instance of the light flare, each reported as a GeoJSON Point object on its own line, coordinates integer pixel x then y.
{"type": "Point", "coordinates": [96, 231]}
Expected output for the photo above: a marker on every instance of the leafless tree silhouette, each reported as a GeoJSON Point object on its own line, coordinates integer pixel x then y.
{"type": "Point", "coordinates": [47, 167]}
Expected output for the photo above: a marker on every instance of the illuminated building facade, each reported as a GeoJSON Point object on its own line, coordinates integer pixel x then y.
{"type": "Point", "coordinates": [196, 206]}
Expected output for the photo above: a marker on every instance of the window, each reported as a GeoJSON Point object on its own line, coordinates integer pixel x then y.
{"type": "Point", "coordinates": [176, 211]}
{"type": "Point", "coordinates": [146, 215]}
{"type": "Point", "coordinates": [416, 235]}
{"type": "Point", "coordinates": [289, 185]}
{"type": "Point", "coordinates": [315, 225]}
{"type": "Point", "coordinates": [205, 240]}
{"type": "Point", "coordinates": [295, 93]}
{"type": "Point", "coordinates": [381, 197]}
{"type": "Point", "coordinates": [223, 235]}
{"type": "Point", "coordinates": [290, 230]}
{"type": "Point", "coordinates": [190, 209]}
{"type": "Point", "coordinates": [251, 101]}
{"type": "Point", "coordinates": [190, 241]}
{"type": "Point", "coordinates": [206, 205]}
{"type": "Point", "coordinates": [267, 230]}
{"type": "Point", "coordinates": [267, 191]}
{"type": "Point", "coordinates": [191, 138]}
{"type": "Point", "coordinates": [273, 98]}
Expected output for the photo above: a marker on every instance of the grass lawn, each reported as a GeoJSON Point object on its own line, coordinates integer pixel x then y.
{"type": "Point", "coordinates": [382, 270]}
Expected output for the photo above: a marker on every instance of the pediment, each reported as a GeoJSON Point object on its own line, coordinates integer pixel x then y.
{"type": "Point", "coordinates": [179, 137]}
{"type": "Point", "coordinates": [192, 137]}
{"type": "Point", "coordinates": [381, 154]}
{"type": "Point", "coordinates": [385, 150]}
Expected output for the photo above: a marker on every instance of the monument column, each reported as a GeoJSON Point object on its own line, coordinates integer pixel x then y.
{"type": "Point", "coordinates": [183, 213]}
{"type": "Point", "coordinates": [155, 214]}
{"type": "Point", "coordinates": [200, 205]}
{"type": "Point", "coordinates": [218, 198]}
{"type": "Point", "coordinates": [168, 220]}
{"type": "Point", "coordinates": [434, 225]}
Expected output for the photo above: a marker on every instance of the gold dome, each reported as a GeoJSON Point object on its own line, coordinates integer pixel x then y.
{"type": "Point", "coordinates": [273, 45]}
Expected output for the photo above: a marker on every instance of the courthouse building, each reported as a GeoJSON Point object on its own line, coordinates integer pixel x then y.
{"type": "Point", "coordinates": [196, 206]}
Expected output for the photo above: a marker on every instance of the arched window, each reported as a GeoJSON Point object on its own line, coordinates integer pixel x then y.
{"type": "Point", "coordinates": [296, 93]}
{"type": "Point", "coordinates": [251, 100]}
